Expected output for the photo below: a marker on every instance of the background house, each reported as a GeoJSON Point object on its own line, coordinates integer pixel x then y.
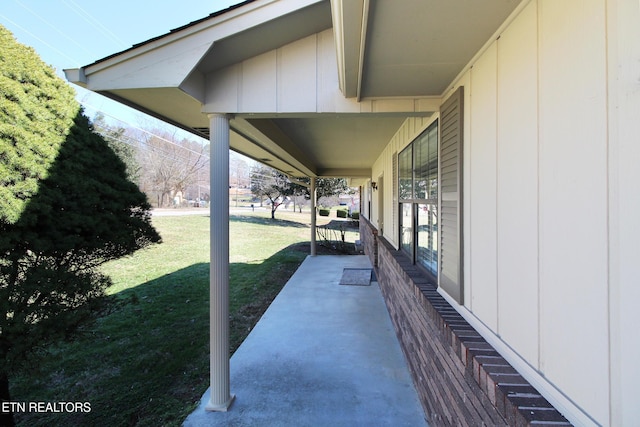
{"type": "Point", "coordinates": [502, 137]}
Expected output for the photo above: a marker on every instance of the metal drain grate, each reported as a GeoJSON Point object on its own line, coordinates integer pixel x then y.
{"type": "Point", "coordinates": [356, 276]}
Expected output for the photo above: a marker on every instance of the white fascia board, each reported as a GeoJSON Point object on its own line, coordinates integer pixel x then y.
{"type": "Point", "coordinates": [350, 29]}
{"type": "Point", "coordinates": [168, 60]}
{"type": "Point", "coordinates": [76, 76]}
{"type": "Point", "coordinates": [216, 28]}
{"type": "Point", "coordinates": [363, 43]}
{"type": "Point", "coordinates": [338, 36]}
{"type": "Point", "coordinates": [159, 68]}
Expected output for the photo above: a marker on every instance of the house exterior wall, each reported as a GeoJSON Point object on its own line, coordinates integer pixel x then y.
{"type": "Point", "coordinates": [623, 51]}
{"type": "Point", "coordinates": [536, 210]}
{"type": "Point", "coordinates": [551, 113]}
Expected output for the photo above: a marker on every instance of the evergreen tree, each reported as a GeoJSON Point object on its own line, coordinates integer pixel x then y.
{"type": "Point", "coordinates": [66, 207]}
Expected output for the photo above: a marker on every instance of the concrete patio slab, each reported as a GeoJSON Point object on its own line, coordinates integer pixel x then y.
{"type": "Point", "coordinates": [322, 355]}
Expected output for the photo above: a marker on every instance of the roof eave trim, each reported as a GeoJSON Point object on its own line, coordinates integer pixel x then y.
{"type": "Point", "coordinates": [338, 34]}
{"type": "Point", "coordinates": [350, 36]}
{"type": "Point", "coordinates": [76, 76]}
{"type": "Point", "coordinates": [218, 25]}
{"type": "Point", "coordinates": [363, 42]}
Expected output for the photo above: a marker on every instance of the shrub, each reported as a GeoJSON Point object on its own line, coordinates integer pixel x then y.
{"type": "Point", "coordinates": [341, 213]}
{"type": "Point", "coordinates": [323, 212]}
{"type": "Point", "coordinates": [355, 215]}
{"type": "Point", "coordinates": [66, 207]}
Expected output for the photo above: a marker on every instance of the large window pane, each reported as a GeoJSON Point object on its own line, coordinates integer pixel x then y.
{"type": "Point", "coordinates": [406, 227]}
{"type": "Point", "coordinates": [433, 163]}
{"type": "Point", "coordinates": [418, 197]}
{"type": "Point", "coordinates": [405, 175]}
{"type": "Point", "coordinates": [425, 165]}
{"type": "Point", "coordinates": [421, 166]}
{"type": "Point", "coordinates": [427, 233]}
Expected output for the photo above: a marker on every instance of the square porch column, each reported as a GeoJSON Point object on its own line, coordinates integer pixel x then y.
{"type": "Point", "coordinates": [221, 397]}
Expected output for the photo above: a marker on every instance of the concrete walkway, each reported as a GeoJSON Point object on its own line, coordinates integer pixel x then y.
{"type": "Point", "coordinates": [323, 354]}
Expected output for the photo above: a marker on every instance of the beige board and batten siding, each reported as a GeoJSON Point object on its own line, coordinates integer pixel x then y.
{"type": "Point", "coordinates": [623, 22]}
{"type": "Point", "coordinates": [536, 219]}
{"type": "Point", "coordinates": [573, 192]}
{"type": "Point", "coordinates": [482, 193]}
{"type": "Point", "coordinates": [517, 184]}
{"type": "Point", "coordinates": [278, 81]}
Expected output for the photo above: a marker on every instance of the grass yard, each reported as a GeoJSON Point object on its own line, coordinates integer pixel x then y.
{"type": "Point", "coordinates": [146, 361]}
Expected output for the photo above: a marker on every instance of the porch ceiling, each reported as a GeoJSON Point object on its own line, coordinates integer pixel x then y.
{"type": "Point", "coordinates": [417, 48]}
{"type": "Point", "coordinates": [385, 50]}
{"type": "Point", "coordinates": [337, 145]}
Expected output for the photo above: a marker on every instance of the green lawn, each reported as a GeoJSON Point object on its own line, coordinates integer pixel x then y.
{"type": "Point", "coordinates": [146, 361]}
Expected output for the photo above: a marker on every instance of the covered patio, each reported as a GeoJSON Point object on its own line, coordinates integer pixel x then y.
{"type": "Point", "coordinates": [461, 130]}
{"type": "Point", "coordinates": [286, 83]}
{"type": "Point", "coordinates": [324, 354]}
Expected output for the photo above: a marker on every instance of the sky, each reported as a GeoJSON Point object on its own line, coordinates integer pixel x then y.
{"type": "Point", "coordinates": [74, 33]}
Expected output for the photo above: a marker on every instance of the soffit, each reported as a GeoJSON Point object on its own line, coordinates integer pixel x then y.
{"type": "Point", "coordinates": [267, 36]}
{"type": "Point", "coordinates": [336, 144]}
{"type": "Point", "coordinates": [418, 47]}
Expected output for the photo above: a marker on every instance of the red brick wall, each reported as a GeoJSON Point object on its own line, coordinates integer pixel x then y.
{"type": "Point", "coordinates": [460, 379]}
{"type": "Point", "coordinates": [369, 239]}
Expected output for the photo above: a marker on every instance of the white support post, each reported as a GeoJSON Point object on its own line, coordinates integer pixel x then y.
{"type": "Point", "coordinates": [312, 190]}
{"type": "Point", "coordinates": [221, 398]}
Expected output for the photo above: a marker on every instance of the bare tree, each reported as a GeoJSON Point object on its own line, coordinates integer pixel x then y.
{"type": "Point", "coordinates": [170, 165]}
{"type": "Point", "coordinates": [239, 174]}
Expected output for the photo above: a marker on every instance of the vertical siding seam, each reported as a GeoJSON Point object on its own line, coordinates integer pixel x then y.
{"type": "Point", "coordinates": [538, 240]}
{"type": "Point", "coordinates": [497, 205]}
{"type": "Point", "coordinates": [318, 72]}
{"type": "Point", "coordinates": [278, 77]}
{"type": "Point", "coordinates": [608, 210]}
{"type": "Point", "coordinates": [470, 261]}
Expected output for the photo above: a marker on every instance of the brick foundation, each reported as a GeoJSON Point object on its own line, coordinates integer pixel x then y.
{"type": "Point", "coordinates": [460, 379]}
{"type": "Point", "coordinates": [369, 239]}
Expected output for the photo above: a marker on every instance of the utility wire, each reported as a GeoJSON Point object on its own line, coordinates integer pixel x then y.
{"type": "Point", "coordinates": [93, 22]}
{"type": "Point", "coordinates": [97, 110]}
{"type": "Point", "coordinates": [54, 27]}
{"type": "Point", "coordinates": [59, 52]}
{"type": "Point", "coordinates": [133, 142]}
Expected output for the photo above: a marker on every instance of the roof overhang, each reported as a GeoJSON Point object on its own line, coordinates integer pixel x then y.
{"type": "Point", "coordinates": [370, 64]}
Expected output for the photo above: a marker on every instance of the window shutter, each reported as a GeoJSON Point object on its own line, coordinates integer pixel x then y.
{"type": "Point", "coordinates": [451, 127]}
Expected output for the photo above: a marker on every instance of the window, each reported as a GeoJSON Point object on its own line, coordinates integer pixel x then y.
{"type": "Point", "coordinates": [418, 199]}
